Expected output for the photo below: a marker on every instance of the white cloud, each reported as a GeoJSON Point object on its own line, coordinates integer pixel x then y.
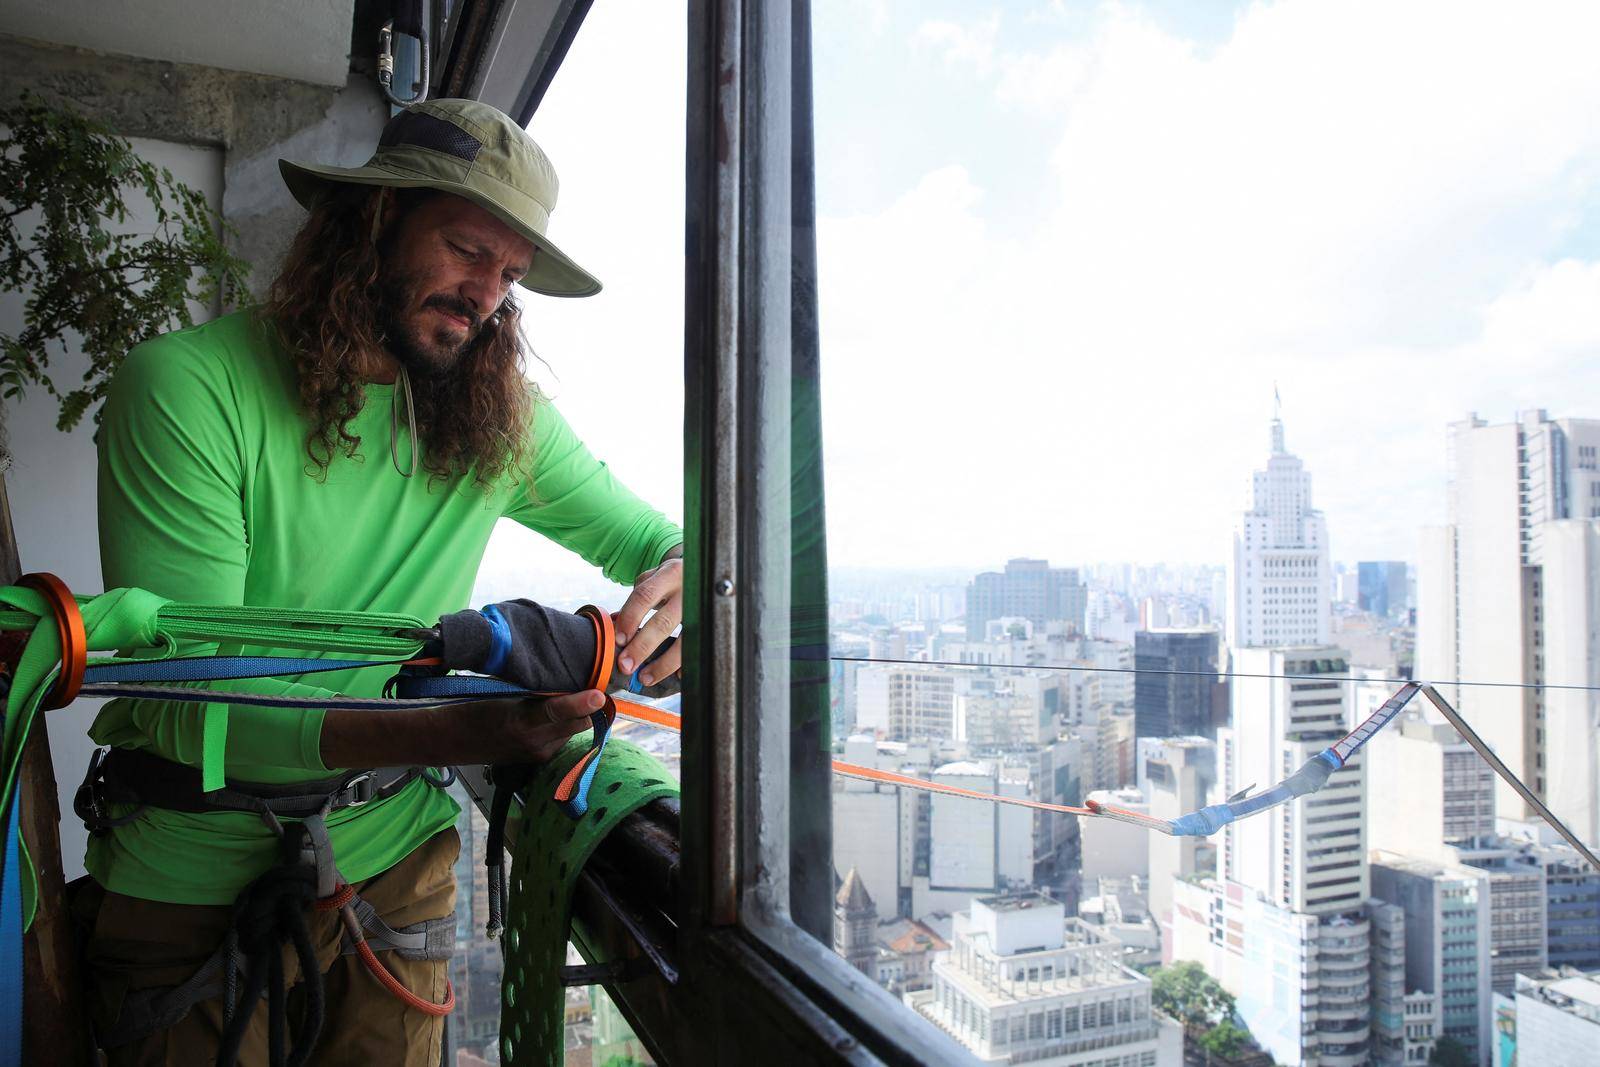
{"type": "Point", "coordinates": [961, 44]}
{"type": "Point", "coordinates": [1362, 201]}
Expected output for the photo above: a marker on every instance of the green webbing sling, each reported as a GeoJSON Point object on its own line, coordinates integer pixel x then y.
{"type": "Point", "coordinates": [550, 850]}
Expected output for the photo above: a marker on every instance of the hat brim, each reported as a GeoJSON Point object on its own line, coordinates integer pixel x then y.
{"type": "Point", "coordinates": [553, 272]}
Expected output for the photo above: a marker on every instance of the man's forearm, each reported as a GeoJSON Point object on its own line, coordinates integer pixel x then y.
{"type": "Point", "coordinates": [489, 731]}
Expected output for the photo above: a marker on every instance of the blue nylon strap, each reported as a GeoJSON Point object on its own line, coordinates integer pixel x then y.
{"type": "Point", "coordinates": [500, 636]}
{"type": "Point", "coordinates": [11, 942]}
{"type": "Point", "coordinates": [413, 690]}
{"type": "Point", "coordinates": [578, 806]}
{"type": "Point", "coordinates": [416, 686]}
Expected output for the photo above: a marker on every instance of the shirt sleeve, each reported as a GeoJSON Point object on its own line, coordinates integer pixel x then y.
{"type": "Point", "coordinates": [171, 519]}
{"type": "Point", "coordinates": [573, 498]}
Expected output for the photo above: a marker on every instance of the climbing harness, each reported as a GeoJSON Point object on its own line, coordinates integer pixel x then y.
{"type": "Point", "coordinates": [54, 665]}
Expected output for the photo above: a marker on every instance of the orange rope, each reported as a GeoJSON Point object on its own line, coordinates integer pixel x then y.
{"type": "Point", "coordinates": [669, 721]}
{"type": "Point", "coordinates": [392, 984]}
{"type": "Point", "coordinates": [339, 900]}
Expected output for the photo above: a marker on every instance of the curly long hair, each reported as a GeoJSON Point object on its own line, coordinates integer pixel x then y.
{"type": "Point", "coordinates": [326, 305]}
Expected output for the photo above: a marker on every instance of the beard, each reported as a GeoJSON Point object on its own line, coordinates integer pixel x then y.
{"type": "Point", "coordinates": [424, 349]}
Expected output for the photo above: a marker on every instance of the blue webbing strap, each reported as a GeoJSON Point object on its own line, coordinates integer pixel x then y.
{"type": "Point", "coordinates": [410, 689]}
{"type": "Point", "coordinates": [11, 942]}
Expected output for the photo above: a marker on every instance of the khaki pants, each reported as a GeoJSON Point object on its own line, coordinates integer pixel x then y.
{"type": "Point", "coordinates": [141, 944]}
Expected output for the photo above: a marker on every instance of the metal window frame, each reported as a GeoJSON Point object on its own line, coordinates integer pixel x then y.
{"type": "Point", "coordinates": [716, 884]}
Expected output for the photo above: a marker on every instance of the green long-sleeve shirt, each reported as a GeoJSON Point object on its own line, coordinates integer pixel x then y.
{"type": "Point", "coordinates": [207, 495]}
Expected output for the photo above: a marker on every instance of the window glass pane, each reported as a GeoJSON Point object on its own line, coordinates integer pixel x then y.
{"type": "Point", "coordinates": [1194, 376]}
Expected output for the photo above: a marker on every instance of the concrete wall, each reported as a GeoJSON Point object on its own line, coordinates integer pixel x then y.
{"type": "Point", "coordinates": [222, 132]}
{"type": "Point", "coordinates": [252, 119]}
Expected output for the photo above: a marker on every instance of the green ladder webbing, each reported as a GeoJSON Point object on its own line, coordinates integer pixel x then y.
{"type": "Point", "coordinates": [548, 851]}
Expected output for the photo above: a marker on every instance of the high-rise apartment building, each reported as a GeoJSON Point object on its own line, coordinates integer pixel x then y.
{"type": "Point", "coordinates": [1308, 855]}
{"type": "Point", "coordinates": [1448, 934]}
{"type": "Point", "coordinates": [1301, 868]}
{"type": "Point", "coordinates": [1022, 983]}
{"type": "Point", "coordinates": [1506, 593]}
{"type": "Point", "coordinates": [1572, 908]}
{"type": "Point", "coordinates": [1175, 774]}
{"type": "Point", "coordinates": [1175, 690]}
{"type": "Point", "coordinates": [1302, 982]}
{"type": "Point", "coordinates": [1517, 909]}
{"type": "Point", "coordinates": [1029, 589]}
{"type": "Point", "coordinates": [1404, 1020]}
{"type": "Point", "coordinates": [1426, 788]}
{"type": "Point", "coordinates": [904, 702]}
{"type": "Point", "coordinates": [1280, 574]}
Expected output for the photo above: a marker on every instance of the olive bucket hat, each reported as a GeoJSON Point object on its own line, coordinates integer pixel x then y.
{"type": "Point", "coordinates": [473, 151]}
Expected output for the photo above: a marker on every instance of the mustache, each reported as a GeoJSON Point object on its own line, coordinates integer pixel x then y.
{"type": "Point", "coordinates": [455, 305]}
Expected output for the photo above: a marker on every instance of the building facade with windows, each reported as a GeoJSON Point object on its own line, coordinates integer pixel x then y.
{"type": "Point", "coordinates": [1447, 940]}
{"type": "Point", "coordinates": [1022, 983]}
{"type": "Point", "coordinates": [1030, 589]}
{"type": "Point", "coordinates": [1173, 691]}
{"type": "Point", "coordinates": [1506, 592]}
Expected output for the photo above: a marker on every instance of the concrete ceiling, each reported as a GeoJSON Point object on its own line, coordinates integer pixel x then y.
{"type": "Point", "coordinates": [306, 40]}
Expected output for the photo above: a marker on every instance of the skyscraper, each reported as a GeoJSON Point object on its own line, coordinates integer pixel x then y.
{"type": "Point", "coordinates": [1381, 587]}
{"type": "Point", "coordinates": [1030, 589]}
{"type": "Point", "coordinates": [1280, 572]}
{"type": "Point", "coordinates": [1447, 938]}
{"type": "Point", "coordinates": [1506, 593]}
{"type": "Point", "coordinates": [1172, 693]}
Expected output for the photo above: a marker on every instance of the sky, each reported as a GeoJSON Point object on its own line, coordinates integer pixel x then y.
{"type": "Point", "coordinates": [1068, 250]}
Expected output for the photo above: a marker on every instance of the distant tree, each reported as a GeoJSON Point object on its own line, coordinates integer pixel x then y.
{"type": "Point", "coordinates": [1224, 1039]}
{"type": "Point", "coordinates": [1448, 1052]}
{"type": "Point", "coordinates": [1186, 992]}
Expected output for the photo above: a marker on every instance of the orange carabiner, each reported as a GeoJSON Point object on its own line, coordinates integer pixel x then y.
{"type": "Point", "coordinates": [74, 639]}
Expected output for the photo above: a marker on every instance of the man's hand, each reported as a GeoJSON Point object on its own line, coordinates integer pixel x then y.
{"type": "Point", "coordinates": [660, 589]}
{"type": "Point", "coordinates": [489, 731]}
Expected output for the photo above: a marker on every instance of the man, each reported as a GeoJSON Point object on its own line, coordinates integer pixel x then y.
{"type": "Point", "coordinates": [349, 445]}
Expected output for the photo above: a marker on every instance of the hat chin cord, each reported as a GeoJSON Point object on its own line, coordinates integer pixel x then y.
{"type": "Point", "coordinates": [402, 384]}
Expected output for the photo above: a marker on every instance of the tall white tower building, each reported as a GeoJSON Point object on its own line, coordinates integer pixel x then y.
{"type": "Point", "coordinates": [1507, 592]}
{"type": "Point", "coordinates": [1285, 924]}
{"type": "Point", "coordinates": [1280, 575]}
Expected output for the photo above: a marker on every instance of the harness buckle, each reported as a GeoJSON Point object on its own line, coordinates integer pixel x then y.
{"type": "Point", "coordinates": [362, 789]}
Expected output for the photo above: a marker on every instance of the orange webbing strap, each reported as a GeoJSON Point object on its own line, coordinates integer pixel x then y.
{"type": "Point", "coordinates": [669, 721]}
{"type": "Point", "coordinates": [605, 656]}
{"type": "Point", "coordinates": [1124, 815]}
{"type": "Point", "coordinates": [70, 629]}
{"type": "Point", "coordinates": [605, 646]}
